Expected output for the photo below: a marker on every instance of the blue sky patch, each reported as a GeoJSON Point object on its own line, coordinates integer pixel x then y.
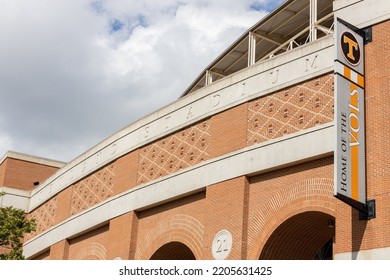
{"type": "Point", "coordinates": [136, 21]}
{"type": "Point", "coordinates": [97, 7]}
{"type": "Point", "coordinates": [142, 21]}
{"type": "Point", "coordinates": [116, 25]}
{"type": "Point", "coordinates": [125, 26]}
{"type": "Point", "coordinates": [269, 6]}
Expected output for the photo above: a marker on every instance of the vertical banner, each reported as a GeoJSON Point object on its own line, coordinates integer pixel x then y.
{"type": "Point", "coordinates": [350, 162]}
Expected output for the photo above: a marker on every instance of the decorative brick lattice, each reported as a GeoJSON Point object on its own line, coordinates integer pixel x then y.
{"type": "Point", "coordinates": [44, 217]}
{"type": "Point", "coordinates": [175, 152]}
{"type": "Point", "coordinates": [291, 110]}
{"type": "Point", "coordinates": [93, 189]}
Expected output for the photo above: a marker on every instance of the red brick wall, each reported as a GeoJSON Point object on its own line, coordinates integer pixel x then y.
{"type": "Point", "coordinates": [277, 196]}
{"type": "Point", "coordinates": [3, 167]}
{"type": "Point", "coordinates": [229, 130]}
{"type": "Point", "coordinates": [123, 230]}
{"type": "Point", "coordinates": [225, 210]}
{"type": "Point", "coordinates": [180, 220]}
{"type": "Point", "coordinates": [21, 174]}
{"type": "Point", "coordinates": [126, 172]}
{"type": "Point", "coordinates": [90, 246]}
{"type": "Point", "coordinates": [43, 256]}
{"type": "Point", "coordinates": [3, 250]}
{"type": "Point", "coordinates": [60, 250]}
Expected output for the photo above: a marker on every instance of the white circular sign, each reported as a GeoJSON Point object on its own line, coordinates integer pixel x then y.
{"type": "Point", "coordinates": [222, 245]}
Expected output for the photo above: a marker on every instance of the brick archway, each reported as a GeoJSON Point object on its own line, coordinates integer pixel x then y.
{"type": "Point", "coordinates": [179, 229]}
{"type": "Point", "coordinates": [308, 195]}
{"type": "Point", "coordinates": [300, 237]}
{"type": "Point", "coordinates": [92, 251]}
{"type": "Point", "coordinates": [173, 251]}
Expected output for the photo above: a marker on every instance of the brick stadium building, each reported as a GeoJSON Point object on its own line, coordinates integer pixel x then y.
{"type": "Point", "coordinates": [241, 166]}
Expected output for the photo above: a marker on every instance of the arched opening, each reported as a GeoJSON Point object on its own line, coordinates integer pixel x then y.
{"type": "Point", "coordinates": [173, 251]}
{"type": "Point", "coordinates": [305, 236]}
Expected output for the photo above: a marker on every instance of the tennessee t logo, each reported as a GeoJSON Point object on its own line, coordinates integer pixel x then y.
{"type": "Point", "coordinates": [350, 48]}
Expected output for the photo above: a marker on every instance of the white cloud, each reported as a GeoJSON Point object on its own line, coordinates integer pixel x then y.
{"type": "Point", "coordinates": [5, 143]}
{"type": "Point", "coordinates": [74, 72]}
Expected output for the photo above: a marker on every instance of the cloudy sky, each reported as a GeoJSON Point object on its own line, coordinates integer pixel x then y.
{"type": "Point", "coordinates": [73, 72]}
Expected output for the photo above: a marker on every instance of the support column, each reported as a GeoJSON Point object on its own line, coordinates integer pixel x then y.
{"type": "Point", "coordinates": [60, 250]}
{"type": "Point", "coordinates": [123, 236]}
{"type": "Point", "coordinates": [251, 49]}
{"type": "Point", "coordinates": [209, 77]}
{"type": "Point", "coordinates": [313, 20]}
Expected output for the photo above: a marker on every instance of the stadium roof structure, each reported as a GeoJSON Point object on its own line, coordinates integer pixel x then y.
{"type": "Point", "coordinates": [293, 24]}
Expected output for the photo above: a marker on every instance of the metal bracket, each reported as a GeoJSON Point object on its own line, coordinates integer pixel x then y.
{"type": "Point", "coordinates": [367, 32]}
{"type": "Point", "coordinates": [366, 211]}
{"type": "Point", "coordinates": [369, 211]}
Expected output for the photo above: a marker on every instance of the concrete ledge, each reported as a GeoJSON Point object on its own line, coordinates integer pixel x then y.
{"type": "Point", "coordinates": [362, 13]}
{"type": "Point", "coordinates": [14, 197]}
{"type": "Point", "coordinates": [33, 159]}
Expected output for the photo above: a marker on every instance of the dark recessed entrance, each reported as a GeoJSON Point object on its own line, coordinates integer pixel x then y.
{"type": "Point", "coordinates": [173, 251]}
{"type": "Point", "coordinates": [306, 236]}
